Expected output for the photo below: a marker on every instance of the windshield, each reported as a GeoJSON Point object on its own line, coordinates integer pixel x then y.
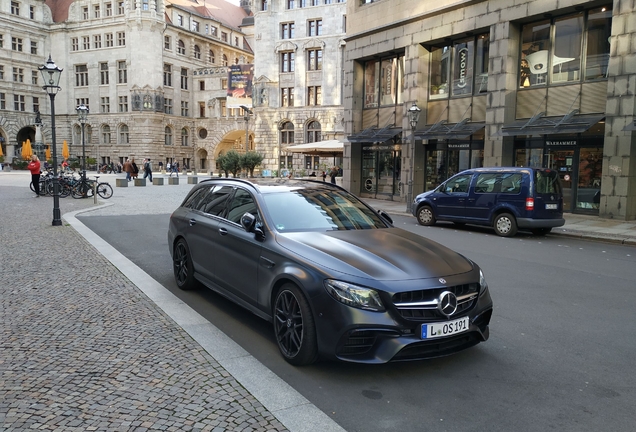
{"type": "Point", "coordinates": [319, 210]}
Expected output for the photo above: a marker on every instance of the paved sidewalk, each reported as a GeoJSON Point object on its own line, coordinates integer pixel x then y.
{"type": "Point", "coordinates": [89, 345]}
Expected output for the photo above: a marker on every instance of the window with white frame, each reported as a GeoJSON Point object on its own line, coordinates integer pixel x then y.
{"type": "Point", "coordinates": [109, 40]}
{"type": "Point", "coordinates": [18, 103]}
{"type": "Point", "coordinates": [287, 97]}
{"type": "Point", "coordinates": [184, 137]}
{"type": "Point", "coordinates": [181, 47]}
{"type": "Point", "coordinates": [314, 59]}
{"type": "Point", "coordinates": [103, 74]}
{"type": "Point", "coordinates": [16, 44]}
{"type": "Point", "coordinates": [313, 132]}
{"type": "Point", "coordinates": [34, 47]}
{"type": "Point", "coordinates": [97, 41]}
{"type": "Point", "coordinates": [121, 38]}
{"type": "Point", "coordinates": [314, 95]}
{"type": "Point", "coordinates": [86, 42]}
{"type": "Point", "coordinates": [105, 134]}
{"type": "Point", "coordinates": [287, 30]}
{"type": "Point", "coordinates": [197, 52]}
{"type": "Point", "coordinates": [123, 134]}
{"type": "Point", "coordinates": [167, 106]}
{"type": "Point", "coordinates": [185, 109]}
{"type": "Point", "coordinates": [104, 106]}
{"type": "Point", "coordinates": [287, 61]}
{"type": "Point", "coordinates": [167, 44]}
{"type": "Point", "coordinates": [123, 104]}
{"type": "Point", "coordinates": [34, 77]}
{"type": "Point", "coordinates": [167, 75]}
{"type": "Point", "coordinates": [184, 78]}
{"type": "Point", "coordinates": [314, 27]}
{"type": "Point", "coordinates": [18, 74]}
{"type": "Point", "coordinates": [167, 136]}
{"type": "Point", "coordinates": [122, 72]}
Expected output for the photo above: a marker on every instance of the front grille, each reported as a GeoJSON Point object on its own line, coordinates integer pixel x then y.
{"type": "Point", "coordinates": [437, 348]}
{"type": "Point", "coordinates": [421, 305]}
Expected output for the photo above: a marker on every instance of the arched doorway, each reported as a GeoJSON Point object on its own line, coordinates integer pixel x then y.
{"type": "Point", "coordinates": [201, 162]}
{"type": "Point", "coordinates": [25, 133]}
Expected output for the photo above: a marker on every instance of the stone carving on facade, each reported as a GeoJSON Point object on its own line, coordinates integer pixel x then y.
{"type": "Point", "coordinates": [286, 46]}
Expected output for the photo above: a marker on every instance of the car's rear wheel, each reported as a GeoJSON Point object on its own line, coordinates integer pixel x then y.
{"type": "Point", "coordinates": [541, 231]}
{"type": "Point", "coordinates": [182, 266]}
{"type": "Point", "coordinates": [425, 216]}
{"type": "Point", "coordinates": [505, 225]}
{"type": "Point", "coordinates": [294, 326]}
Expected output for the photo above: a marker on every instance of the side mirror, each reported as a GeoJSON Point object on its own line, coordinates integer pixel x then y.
{"type": "Point", "coordinates": [386, 216]}
{"type": "Point", "coordinates": [248, 221]}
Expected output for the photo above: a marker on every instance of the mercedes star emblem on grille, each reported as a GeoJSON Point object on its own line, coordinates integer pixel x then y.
{"type": "Point", "coordinates": [442, 280]}
{"type": "Point", "coordinates": [447, 303]}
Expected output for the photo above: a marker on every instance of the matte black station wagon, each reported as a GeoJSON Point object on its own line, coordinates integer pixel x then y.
{"type": "Point", "coordinates": [335, 278]}
{"type": "Point", "coordinates": [504, 198]}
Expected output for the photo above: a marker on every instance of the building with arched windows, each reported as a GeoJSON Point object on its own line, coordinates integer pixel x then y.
{"type": "Point", "coordinates": [298, 81]}
{"type": "Point", "coordinates": [152, 72]}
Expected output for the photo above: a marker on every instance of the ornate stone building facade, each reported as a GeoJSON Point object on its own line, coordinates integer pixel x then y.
{"type": "Point", "coordinates": [152, 72]}
{"type": "Point", "coordinates": [525, 83]}
{"type": "Point", "coordinates": [298, 85]}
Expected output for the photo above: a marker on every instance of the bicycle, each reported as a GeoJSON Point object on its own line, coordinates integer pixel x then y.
{"type": "Point", "coordinates": [84, 188]}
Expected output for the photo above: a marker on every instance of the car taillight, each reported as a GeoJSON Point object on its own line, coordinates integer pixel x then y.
{"type": "Point", "coordinates": [529, 204]}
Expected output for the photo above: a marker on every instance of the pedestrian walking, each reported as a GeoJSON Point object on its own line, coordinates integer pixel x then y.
{"type": "Point", "coordinates": [147, 169]}
{"type": "Point", "coordinates": [135, 168]}
{"type": "Point", "coordinates": [324, 176]}
{"type": "Point", "coordinates": [128, 169]}
{"type": "Point", "coordinates": [333, 173]}
{"type": "Point", "coordinates": [34, 167]}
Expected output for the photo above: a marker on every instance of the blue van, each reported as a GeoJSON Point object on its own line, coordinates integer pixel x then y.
{"type": "Point", "coordinates": [505, 198]}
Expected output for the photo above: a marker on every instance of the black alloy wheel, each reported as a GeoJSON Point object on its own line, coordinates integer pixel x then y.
{"type": "Point", "coordinates": [182, 266]}
{"type": "Point", "coordinates": [294, 327]}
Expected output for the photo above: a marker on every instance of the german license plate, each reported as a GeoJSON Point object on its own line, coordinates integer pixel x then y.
{"type": "Point", "coordinates": [448, 328]}
{"type": "Point", "coordinates": [550, 206]}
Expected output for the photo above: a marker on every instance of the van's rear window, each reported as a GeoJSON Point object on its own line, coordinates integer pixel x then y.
{"type": "Point", "coordinates": [547, 182]}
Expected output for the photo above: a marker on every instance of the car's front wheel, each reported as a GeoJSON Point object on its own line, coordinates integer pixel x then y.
{"type": "Point", "coordinates": [294, 326]}
{"type": "Point", "coordinates": [505, 225]}
{"type": "Point", "coordinates": [183, 267]}
{"type": "Point", "coordinates": [425, 216]}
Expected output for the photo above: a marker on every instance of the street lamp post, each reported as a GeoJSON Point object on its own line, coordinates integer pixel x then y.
{"type": "Point", "coordinates": [246, 115]}
{"type": "Point", "coordinates": [414, 117]}
{"type": "Point", "coordinates": [51, 77]}
{"type": "Point", "coordinates": [82, 116]}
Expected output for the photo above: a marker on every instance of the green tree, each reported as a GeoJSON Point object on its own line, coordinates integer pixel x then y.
{"type": "Point", "coordinates": [230, 162]}
{"type": "Point", "coordinates": [251, 160]}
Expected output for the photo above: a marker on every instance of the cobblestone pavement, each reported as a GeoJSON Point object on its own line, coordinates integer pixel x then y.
{"type": "Point", "coordinates": [82, 349]}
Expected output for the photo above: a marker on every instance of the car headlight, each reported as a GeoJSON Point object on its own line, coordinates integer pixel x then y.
{"type": "Point", "coordinates": [483, 285]}
{"type": "Point", "coordinates": [354, 295]}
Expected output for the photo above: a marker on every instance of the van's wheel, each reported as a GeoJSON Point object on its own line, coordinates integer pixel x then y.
{"type": "Point", "coordinates": [505, 225]}
{"type": "Point", "coordinates": [425, 216]}
{"type": "Point", "coordinates": [540, 231]}
{"type": "Point", "coordinates": [294, 327]}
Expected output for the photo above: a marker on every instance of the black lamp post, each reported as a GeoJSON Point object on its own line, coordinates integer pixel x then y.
{"type": "Point", "coordinates": [414, 117]}
{"type": "Point", "coordinates": [82, 116]}
{"type": "Point", "coordinates": [51, 76]}
{"type": "Point", "coordinates": [246, 116]}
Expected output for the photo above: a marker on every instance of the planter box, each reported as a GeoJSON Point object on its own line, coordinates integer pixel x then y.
{"type": "Point", "coordinates": [121, 182]}
{"type": "Point", "coordinates": [157, 181]}
{"type": "Point", "coordinates": [193, 180]}
{"type": "Point", "coordinates": [173, 180]}
{"type": "Point", "coordinates": [140, 182]}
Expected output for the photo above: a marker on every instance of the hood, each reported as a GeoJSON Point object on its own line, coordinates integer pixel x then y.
{"type": "Point", "coordinates": [381, 254]}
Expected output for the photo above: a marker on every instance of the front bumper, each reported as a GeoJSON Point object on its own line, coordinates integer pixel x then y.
{"type": "Point", "coordinates": [358, 336]}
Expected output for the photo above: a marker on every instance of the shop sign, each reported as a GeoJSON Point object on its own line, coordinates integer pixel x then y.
{"type": "Point", "coordinates": [462, 57]}
{"type": "Point", "coordinates": [459, 146]}
{"type": "Point", "coordinates": [396, 147]}
{"type": "Point", "coordinates": [560, 143]}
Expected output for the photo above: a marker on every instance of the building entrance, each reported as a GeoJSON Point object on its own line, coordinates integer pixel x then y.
{"type": "Point", "coordinates": [381, 165]}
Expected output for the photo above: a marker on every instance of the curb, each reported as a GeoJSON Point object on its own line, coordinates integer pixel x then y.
{"type": "Point", "coordinates": [291, 408]}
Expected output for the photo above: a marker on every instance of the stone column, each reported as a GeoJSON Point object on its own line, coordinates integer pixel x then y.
{"type": "Point", "coordinates": [502, 92]}
{"type": "Point", "coordinates": [618, 185]}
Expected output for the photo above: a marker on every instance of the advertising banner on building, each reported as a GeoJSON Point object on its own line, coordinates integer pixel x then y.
{"type": "Point", "coordinates": [239, 86]}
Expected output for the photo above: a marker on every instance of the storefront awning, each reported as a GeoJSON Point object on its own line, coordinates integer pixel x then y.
{"type": "Point", "coordinates": [631, 126]}
{"type": "Point", "coordinates": [443, 131]}
{"type": "Point", "coordinates": [375, 135]}
{"type": "Point", "coordinates": [540, 125]}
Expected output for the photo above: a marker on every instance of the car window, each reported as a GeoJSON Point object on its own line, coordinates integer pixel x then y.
{"type": "Point", "coordinates": [192, 200]}
{"type": "Point", "coordinates": [242, 203]}
{"type": "Point", "coordinates": [319, 210]}
{"type": "Point", "coordinates": [547, 182]}
{"type": "Point", "coordinates": [509, 183]}
{"type": "Point", "coordinates": [216, 199]}
{"type": "Point", "coordinates": [458, 184]}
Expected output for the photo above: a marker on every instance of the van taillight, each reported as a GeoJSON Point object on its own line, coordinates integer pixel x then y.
{"type": "Point", "coordinates": [529, 204]}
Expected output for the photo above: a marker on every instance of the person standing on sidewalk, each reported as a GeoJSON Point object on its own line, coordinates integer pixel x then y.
{"type": "Point", "coordinates": [147, 169]}
{"type": "Point", "coordinates": [34, 167]}
{"type": "Point", "coordinates": [333, 174]}
{"type": "Point", "coordinates": [128, 169]}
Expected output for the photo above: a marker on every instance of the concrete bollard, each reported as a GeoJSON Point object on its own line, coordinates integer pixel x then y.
{"type": "Point", "coordinates": [173, 180]}
{"type": "Point", "coordinates": [140, 182]}
{"type": "Point", "coordinates": [193, 180]}
{"type": "Point", "coordinates": [121, 182]}
{"type": "Point", "coordinates": [157, 181]}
